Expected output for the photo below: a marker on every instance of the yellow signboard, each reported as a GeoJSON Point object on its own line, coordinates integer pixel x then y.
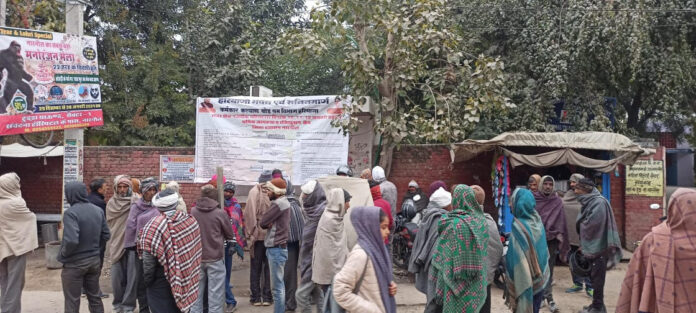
{"type": "Point", "coordinates": [645, 178]}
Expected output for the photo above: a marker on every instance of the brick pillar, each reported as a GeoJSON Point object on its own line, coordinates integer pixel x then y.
{"type": "Point", "coordinates": [639, 218]}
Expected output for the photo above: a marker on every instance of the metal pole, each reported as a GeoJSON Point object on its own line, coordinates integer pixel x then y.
{"type": "Point", "coordinates": [3, 12]}
{"type": "Point", "coordinates": [220, 187]}
{"type": "Point", "coordinates": [73, 138]}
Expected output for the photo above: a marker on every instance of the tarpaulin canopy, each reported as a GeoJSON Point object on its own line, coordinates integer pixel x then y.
{"type": "Point", "coordinates": [16, 150]}
{"type": "Point", "coordinates": [625, 151]}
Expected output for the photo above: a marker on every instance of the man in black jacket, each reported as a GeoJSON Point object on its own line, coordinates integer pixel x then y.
{"type": "Point", "coordinates": [84, 233]}
{"type": "Point", "coordinates": [97, 191]}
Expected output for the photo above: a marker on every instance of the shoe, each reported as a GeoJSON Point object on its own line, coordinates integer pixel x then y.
{"type": "Point", "coordinates": [574, 289]}
{"type": "Point", "coordinates": [266, 303]}
{"type": "Point", "coordinates": [591, 309]}
{"type": "Point", "coordinates": [589, 292]}
{"type": "Point", "coordinates": [104, 295]}
{"type": "Point", "coordinates": [230, 308]}
{"type": "Point", "coordinates": [256, 304]}
{"type": "Point", "coordinates": [553, 308]}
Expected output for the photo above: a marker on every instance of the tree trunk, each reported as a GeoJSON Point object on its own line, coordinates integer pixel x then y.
{"type": "Point", "coordinates": [386, 155]}
{"type": "Point", "coordinates": [633, 111]}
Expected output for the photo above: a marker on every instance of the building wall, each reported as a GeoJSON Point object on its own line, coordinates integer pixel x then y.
{"type": "Point", "coordinates": [639, 218]}
{"type": "Point", "coordinates": [41, 184]}
{"type": "Point", "coordinates": [428, 163]}
{"type": "Point", "coordinates": [138, 162]}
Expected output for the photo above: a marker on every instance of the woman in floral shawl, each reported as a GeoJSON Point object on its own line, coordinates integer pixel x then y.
{"type": "Point", "coordinates": [527, 258]}
{"type": "Point", "coordinates": [458, 262]}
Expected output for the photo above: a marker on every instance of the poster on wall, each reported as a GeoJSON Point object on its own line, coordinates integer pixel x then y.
{"type": "Point", "coordinates": [645, 178]}
{"type": "Point", "coordinates": [360, 150]}
{"type": "Point", "coordinates": [178, 168]}
{"type": "Point", "coordinates": [50, 81]}
{"type": "Point", "coordinates": [72, 163]}
{"type": "Point", "coordinates": [247, 135]}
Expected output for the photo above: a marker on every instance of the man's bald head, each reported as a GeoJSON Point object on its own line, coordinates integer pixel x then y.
{"type": "Point", "coordinates": [479, 194]}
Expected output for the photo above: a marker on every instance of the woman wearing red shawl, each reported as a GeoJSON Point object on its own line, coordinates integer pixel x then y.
{"type": "Point", "coordinates": [661, 277]}
{"type": "Point", "coordinates": [381, 203]}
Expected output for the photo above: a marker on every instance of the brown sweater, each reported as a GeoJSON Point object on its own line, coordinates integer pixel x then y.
{"type": "Point", "coordinates": [277, 221]}
{"type": "Point", "coordinates": [215, 228]}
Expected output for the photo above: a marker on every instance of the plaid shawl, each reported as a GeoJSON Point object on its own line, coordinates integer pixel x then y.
{"type": "Point", "coordinates": [175, 240]}
{"type": "Point", "coordinates": [597, 227]}
{"type": "Point", "coordinates": [527, 259]}
{"type": "Point", "coordinates": [458, 265]}
{"type": "Point", "coordinates": [662, 274]}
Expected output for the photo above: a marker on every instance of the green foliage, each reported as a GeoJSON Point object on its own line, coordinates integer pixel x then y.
{"type": "Point", "coordinates": [433, 68]}
{"type": "Point", "coordinates": [46, 15]}
{"type": "Point", "coordinates": [158, 56]}
{"type": "Point", "coordinates": [411, 59]}
{"type": "Point", "coordinates": [639, 52]}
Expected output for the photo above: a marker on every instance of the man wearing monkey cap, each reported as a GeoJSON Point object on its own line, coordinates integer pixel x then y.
{"type": "Point", "coordinates": [277, 223]}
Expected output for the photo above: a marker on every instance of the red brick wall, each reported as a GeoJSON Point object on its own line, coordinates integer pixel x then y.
{"type": "Point", "coordinates": [41, 184]}
{"type": "Point", "coordinates": [138, 162]}
{"type": "Point", "coordinates": [428, 163]}
{"type": "Point", "coordinates": [639, 219]}
{"type": "Point", "coordinates": [667, 140]}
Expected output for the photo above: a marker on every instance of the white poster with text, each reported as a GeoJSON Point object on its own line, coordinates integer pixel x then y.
{"type": "Point", "coordinates": [247, 135]}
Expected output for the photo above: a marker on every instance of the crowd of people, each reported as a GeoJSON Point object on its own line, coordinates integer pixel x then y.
{"type": "Point", "coordinates": [168, 258]}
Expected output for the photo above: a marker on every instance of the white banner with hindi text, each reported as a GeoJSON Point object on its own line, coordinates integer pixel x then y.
{"type": "Point", "coordinates": [247, 135]}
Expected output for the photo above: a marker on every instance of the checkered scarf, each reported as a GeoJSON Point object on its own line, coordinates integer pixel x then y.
{"type": "Point", "coordinates": [175, 240]}
{"type": "Point", "coordinates": [458, 262]}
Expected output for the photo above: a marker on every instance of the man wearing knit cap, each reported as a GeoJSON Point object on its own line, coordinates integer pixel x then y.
{"type": "Point", "coordinates": [277, 223]}
{"type": "Point", "coordinates": [572, 210]}
{"type": "Point", "coordinates": [257, 204]}
{"type": "Point", "coordinates": [420, 200]}
{"type": "Point", "coordinates": [215, 228]}
{"type": "Point", "coordinates": [170, 246]}
{"type": "Point", "coordinates": [495, 247]}
{"type": "Point", "coordinates": [238, 242]}
{"type": "Point", "coordinates": [136, 221]}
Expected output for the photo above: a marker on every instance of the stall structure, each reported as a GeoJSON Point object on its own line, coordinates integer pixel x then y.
{"type": "Point", "coordinates": [599, 152]}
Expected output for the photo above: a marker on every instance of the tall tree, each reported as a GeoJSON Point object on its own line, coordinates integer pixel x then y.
{"type": "Point", "coordinates": [410, 57]}
{"type": "Point", "coordinates": [639, 52]}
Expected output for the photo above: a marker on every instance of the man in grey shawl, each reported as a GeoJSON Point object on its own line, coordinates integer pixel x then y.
{"type": "Point", "coordinates": [313, 202]}
{"type": "Point", "coordinates": [421, 255]}
{"type": "Point", "coordinates": [389, 192]}
{"type": "Point", "coordinates": [572, 206]}
{"type": "Point", "coordinates": [599, 238]}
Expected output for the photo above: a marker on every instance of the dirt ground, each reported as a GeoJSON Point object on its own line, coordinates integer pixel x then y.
{"type": "Point", "coordinates": [42, 291]}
